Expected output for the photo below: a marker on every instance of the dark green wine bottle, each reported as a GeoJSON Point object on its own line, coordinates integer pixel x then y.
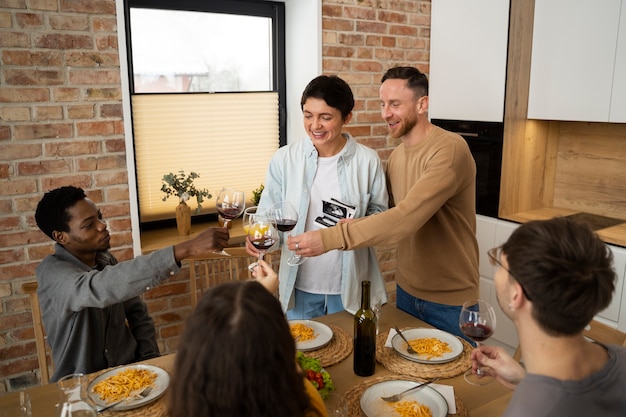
{"type": "Point", "coordinates": [365, 335]}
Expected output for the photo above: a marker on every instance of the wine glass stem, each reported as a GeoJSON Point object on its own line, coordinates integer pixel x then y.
{"type": "Point", "coordinates": [226, 221]}
{"type": "Point", "coordinates": [478, 371]}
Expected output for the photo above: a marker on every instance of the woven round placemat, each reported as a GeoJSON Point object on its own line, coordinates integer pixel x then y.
{"type": "Point", "coordinates": [394, 362]}
{"type": "Point", "coordinates": [350, 403]}
{"type": "Point", "coordinates": [339, 348]}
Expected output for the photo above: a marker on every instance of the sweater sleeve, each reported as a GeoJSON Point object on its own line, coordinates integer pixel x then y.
{"type": "Point", "coordinates": [445, 171]}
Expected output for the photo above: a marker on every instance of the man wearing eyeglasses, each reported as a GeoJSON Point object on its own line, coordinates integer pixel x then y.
{"type": "Point", "coordinates": [553, 277]}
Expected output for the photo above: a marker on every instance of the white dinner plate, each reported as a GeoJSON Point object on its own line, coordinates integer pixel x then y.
{"type": "Point", "coordinates": [323, 335]}
{"type": "Point", "coordinates": [373, 406]}
{"type": "Point", "coordinates": [455, 344]}
{"type": "Point", "coordinates": [160, 385]}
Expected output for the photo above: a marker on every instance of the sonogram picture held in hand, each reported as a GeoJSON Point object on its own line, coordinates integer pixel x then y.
{"type": "Point", "coordinates": [335, 210]}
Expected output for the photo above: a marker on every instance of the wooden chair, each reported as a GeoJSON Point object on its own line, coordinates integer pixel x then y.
{"type": "Point", "coordinates": [218, 268]}
{"type": "Point", "coordinates": [30, 288]}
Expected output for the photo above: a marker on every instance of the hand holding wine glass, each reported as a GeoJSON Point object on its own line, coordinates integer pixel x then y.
{"type": "Point", "coordinates": [286, 216]}
{"type": "Point", "coordinates": [478, 322]}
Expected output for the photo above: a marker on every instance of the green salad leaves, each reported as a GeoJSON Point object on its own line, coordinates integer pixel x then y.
{"type": "Point", "coordinates": [316, 374]}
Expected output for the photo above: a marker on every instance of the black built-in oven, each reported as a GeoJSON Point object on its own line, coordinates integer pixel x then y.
{"type": "Point", "coordinates": [485, 143]}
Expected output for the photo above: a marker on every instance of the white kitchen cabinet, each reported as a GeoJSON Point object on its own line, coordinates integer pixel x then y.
{"type": "Point", "coordinates": [618, 98]}
{"type": "Point", "coordinates": [575, 57]}
{"type": "Point", "coordinates": [468, 53]}
{"type": "Point", "coordinates": [616, 311]}
{"type": "Point", "coordinates": [492, 232]}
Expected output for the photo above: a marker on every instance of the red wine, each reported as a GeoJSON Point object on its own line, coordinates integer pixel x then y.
{"type": "Point", "coordinates": [285, 225]}
{"type": "Point", "coordinates": [229, 212]}
{"type": "Point", "coordinates": [477, 332]}
{"type": "Point", "coordinates": [365, 335]}
{"type": "Point", "coordinates": [263, 243]}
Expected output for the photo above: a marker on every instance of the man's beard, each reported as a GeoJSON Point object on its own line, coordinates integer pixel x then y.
{"type": "Point", "coordinates": [405, 127]}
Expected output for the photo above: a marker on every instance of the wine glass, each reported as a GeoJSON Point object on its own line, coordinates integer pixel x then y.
{"type": "Point", "coordinates": [230, 204]}
{"type": "Point", "coordinates": [286, 216]}
{"type": "Point", "coordinates": [478, 322]}
{"type": "Point", "coordinates": [262, 235]}
{"type": "Point", "coordinates": [73, 389]}
{"type": "Point", "coordinates": [248, 217]}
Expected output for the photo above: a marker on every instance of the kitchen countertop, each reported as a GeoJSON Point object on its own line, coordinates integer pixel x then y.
{"type": "Point", "coordinates": [615, 235]}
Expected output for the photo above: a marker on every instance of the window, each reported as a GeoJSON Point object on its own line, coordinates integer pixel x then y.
{"type": "Point", "coordinates": [207, 94]}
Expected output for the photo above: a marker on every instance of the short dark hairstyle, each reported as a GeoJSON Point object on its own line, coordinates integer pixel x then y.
{"type": "Point", "coordinates": [415, 79]}
{"type": "Point", "coordinates": [52, 210]}
{"type": "Point", "coordinates": [237, 357]}
{"type": "Point", "coordinates": [333, 90]}
{"type": "Point", "coordinates": [566, 269]}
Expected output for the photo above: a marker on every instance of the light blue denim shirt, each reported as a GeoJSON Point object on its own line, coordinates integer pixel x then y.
{"type": "Point", "coordinates": [362, 185]}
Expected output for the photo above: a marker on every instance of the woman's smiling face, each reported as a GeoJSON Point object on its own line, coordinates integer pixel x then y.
{"type": "Point", "coordinates": [323, 125]}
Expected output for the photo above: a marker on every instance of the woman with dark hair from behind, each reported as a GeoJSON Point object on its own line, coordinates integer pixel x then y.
{"type": "Point", "coordinates": [237, 358]}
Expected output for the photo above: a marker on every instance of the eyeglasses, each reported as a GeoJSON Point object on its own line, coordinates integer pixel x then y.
{"type": "Point", "coordinates": [494, 260]}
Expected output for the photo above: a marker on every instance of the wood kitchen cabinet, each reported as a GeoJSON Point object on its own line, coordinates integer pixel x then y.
{"type": "Point", "coordinates": [559, 167]}
{"type": "Point", "coordinates": [468, 53]}
{"type": "Point", "coordinates": [578, 66]}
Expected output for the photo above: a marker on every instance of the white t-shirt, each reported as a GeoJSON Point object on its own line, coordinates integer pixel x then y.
{"type": "Point", "coordinates": [322, 274]}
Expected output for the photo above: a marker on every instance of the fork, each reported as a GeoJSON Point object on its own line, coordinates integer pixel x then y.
{"type": "Point", "coordinates": [408, 345]}
{"type": "Point", "coordinates": [396, 397]}
{"type": "Point", "coordinates": [142, 394]}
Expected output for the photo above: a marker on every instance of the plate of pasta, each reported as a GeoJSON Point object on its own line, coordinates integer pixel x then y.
{"type": "Point", "coordinates": [125, 383]}
{"type": "Point", "coordinates": [309, 334]}
{"type": "Point", "coordinates": [426, 402]}
{"type": "Point", "coordinates": [432, 345]}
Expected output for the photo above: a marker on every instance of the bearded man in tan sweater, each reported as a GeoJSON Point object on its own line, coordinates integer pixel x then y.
{"type": "Point", "coordinates": [432, 182]}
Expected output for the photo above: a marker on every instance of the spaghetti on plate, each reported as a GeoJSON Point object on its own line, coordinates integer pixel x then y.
{"type": "Point", "coordinates": [124, 383]}
{"type": "Point", "coordinates": [302, 332]}
{"type": "Point", "coordinates": [431, 347]}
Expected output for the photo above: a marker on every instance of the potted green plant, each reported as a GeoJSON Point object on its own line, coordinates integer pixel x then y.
{"type": "Point", "coordinates": [256, 195]}
{"type": "Point", "coordinates": [182, 186]}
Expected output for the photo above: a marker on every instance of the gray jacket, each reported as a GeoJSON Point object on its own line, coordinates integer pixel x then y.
{"type": "Point", "coordinates": [93, 317]}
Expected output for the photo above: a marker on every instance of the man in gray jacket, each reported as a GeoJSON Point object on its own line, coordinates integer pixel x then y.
{"type": "Point", "coordinates": [90, 303]}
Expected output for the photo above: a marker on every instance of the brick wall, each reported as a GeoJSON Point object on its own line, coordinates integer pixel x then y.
{"type": "Point", "coordinates": [61, 123]}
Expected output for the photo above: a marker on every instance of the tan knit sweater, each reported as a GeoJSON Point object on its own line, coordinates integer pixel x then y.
{"type": "Point", "coordinates": [433, 222]}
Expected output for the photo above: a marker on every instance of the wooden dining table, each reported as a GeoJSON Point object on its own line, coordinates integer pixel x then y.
{"type": "Point", "coordinates": [479, 401]}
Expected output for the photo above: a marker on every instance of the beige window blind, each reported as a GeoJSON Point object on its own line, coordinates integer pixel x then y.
{"type": "Point", "coordinates": [227, 138]}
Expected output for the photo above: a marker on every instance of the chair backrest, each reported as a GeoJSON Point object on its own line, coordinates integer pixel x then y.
{"type": "Point", "coordinates": [30, 288]}
{"type": "Point", "coordinates": [216, 268]}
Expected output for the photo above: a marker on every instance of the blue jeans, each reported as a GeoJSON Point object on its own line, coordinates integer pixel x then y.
{"type": "Point", "coordinates": [440, 316]}
{"type": "Point", "coordinates": [309, 306]}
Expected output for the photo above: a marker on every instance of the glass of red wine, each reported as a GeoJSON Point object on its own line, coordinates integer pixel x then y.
{"type": "Point", "coordinates": [230, 204]}
{"type": "Point", "coordinates": [263, 235]}
{"type": "Point", "coordinates": [286, 216]}
{"type": "Point", "coordinates": [478, 322]}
